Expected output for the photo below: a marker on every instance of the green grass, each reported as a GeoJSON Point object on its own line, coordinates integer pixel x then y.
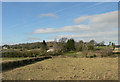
{"type": "Point", "coordinates": [103, 47]}
{"type": "Point", "coordinates": [71, 53]}
{"type": "Point", "coordinates": [67, 69]}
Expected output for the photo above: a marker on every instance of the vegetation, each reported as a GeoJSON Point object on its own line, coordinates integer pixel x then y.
{"type": "Point", "coordinates": [79, 46]}
{"type": "Point", "coordinates": [67, 69]}
{"type": "Point", "coordinates": [24, 46]}
{"type": "Point", "coordinates": [63, 47]}
{"type": "Point", "coordinates": [108, 53]}
{"type": "Point", "coordinates": [89, 54]}
{"type": "Point", "coordinates": [12, 54]}
{"type": "Point", "coordinates": [62, 44]}
{"type": "Point", "coordinates": [70, 45]}
{"type": "Point", "coordinates": [71, 53]}
{"type": "Point", "coordinates": [44, 45]}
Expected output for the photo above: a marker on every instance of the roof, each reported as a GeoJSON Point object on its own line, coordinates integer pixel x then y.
{"type": "Point", "coordinates": [117, 46]}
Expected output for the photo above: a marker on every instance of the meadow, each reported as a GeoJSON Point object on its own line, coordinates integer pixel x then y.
{"type": "Point", "coordinates": [68, 61]}
{"type": "Point", "coordinates": [69, 68]}
{"type": "Point", "coordinates": [12, 59]}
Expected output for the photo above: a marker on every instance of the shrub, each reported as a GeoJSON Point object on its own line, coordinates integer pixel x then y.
{"type": "Point", "coordinates": [32, 53]}
{"type": "Point", "coordinates": [90, 47]}
{"type": "Point", "coordinates": [106, 53]}
{"type": "Point", "coordinates": [88, 54]}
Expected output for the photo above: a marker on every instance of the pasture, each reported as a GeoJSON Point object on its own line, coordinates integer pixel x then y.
{"type": "Point", "coordinates": [68, 68]}
{"type": "Point", "coordinates": [12, 59]}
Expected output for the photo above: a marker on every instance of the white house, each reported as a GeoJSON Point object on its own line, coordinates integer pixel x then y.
{"type": "Point", "coordinates": [117, 48]}
{"type": "Point", "coordinates": [51, 49]}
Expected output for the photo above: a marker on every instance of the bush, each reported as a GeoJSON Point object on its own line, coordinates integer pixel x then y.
{"type": "Point", "coordinates": [106, 53]}
{"type": "Point", "coordinates": [92, 56]}
{"type": "Point", "coordinates": [90, 47]}
{"type": "Point", "coordinates": [32, 53]}
{"type": "Point", "coordinates": [88, 54]}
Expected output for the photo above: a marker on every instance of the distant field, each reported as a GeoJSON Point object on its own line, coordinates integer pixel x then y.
{"type": "Point", "coordinates": [103, 47]}
{"type": "Point", "coordinates": [11, 59]}
{"type": "Point", "coordinates": [68, 69]}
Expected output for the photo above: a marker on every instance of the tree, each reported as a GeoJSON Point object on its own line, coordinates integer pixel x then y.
{"type": "Point", "coordinates": [91, 44]}
{"type": "Point", "coordinates": [70, 44]}
{"type": "Point", "coordinates": [81, 42]}
{"type": "Point", "coordinates": [113, 45]}
{"type": "Point", "coordinates": [101, 43]}
{"type": "Point", "coordinates": [44, 45]}
{"type": "Point", "coordinates": [79, 45]}
{"type": "Point", "coordinates": [63, 40]}
{"type": "Point", "coordinates": [110, 43]}
{"type": "Point", "coordinates": [62, 44]}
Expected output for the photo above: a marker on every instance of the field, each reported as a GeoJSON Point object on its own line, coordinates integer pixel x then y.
{"type": "Point", "coordinates": [11, 59]}
{"type": "Point", "coordinates": [68, 68]}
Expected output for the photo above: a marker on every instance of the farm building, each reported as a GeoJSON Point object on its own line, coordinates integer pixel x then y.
{"type": "Point", "coordinates": [117, 48]}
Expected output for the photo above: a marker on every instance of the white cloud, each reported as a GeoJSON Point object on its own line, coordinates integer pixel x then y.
{"type": "Point", "coordinates": [73, 28]}
{"type": "Point", "coordinates": [48, 15]}
{"type": "Point", "coordinates": [100, 22]}
{"type": "Point", "coordinates": [100, 27]}
{"type": "Point", "coordinates": [94, 34]}
{"type": "Point", "coordinates": [110, 17]}
{"type": "Point", "coordinates": [106, 20]}
{"type": "Point", "coordinates": [97, 36]}
{"type": "Point", "coordinates": [81, 19]}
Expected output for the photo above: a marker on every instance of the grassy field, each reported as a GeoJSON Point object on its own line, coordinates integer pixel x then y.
{"type": "Point", "coordinates": [67, 69]}
{"type": "Point", "coordinates": [104, 47]}
{"type": "Point", "coordinates": [70, 53]}
{"type": "Point", "coordinates": [11, 59]}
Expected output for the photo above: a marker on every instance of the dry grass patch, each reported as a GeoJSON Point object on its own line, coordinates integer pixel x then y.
{"type": "Point", "coordinates": [67, 69]}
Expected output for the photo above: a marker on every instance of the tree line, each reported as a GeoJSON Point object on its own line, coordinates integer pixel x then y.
{"type": "Point", "coordinates": [62, 46]}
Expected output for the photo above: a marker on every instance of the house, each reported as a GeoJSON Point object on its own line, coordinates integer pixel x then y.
{"type": "Point", "coordinates": [117, 48]}
{"type": "Point", "coordinates": [53, 46]}
{"type": "Point", "coordinates": [4, 47]}
{"type": "Point", "coordinates": [51, 49]}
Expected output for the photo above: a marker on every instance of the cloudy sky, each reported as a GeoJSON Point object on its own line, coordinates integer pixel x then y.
{"type": "Point", "coordinates": [30, 21]}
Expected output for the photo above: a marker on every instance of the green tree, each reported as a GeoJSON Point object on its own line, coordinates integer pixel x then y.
{"type": "Point", "coordinates": [79, 45]}
{"type": "Point", "coordinates": [70, 44]}
{"type": "Point", "coordinates": [62, 44]}
{"type": "Point", "coordinates": [63, 40]}
{"type": "Point", "coordinates": [44, 45]}
{"type": "Point", "coordinates": [91, 44]}
{"type": "Point", "coordinates": [110, 43]}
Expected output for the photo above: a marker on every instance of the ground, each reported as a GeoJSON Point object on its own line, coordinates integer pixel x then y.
{"type": "Point", "coordinates": [67, 69]}
{"type": "Point", "coordinates": [12, 59]}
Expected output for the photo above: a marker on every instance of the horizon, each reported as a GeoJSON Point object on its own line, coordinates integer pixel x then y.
{"type": "Point", "coordinates": [27, 22]}
{"type": "Point", "coordinates": [57, 41]}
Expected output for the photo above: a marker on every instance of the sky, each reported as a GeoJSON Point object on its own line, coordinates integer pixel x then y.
{"type": "Point", "coordinates": [26, 22]}
{"type": "Point", "coordinates": [60, 0]}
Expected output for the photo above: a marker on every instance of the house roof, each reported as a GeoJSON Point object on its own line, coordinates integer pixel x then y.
{"type": "Point", "coordinates": [117, 46]}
